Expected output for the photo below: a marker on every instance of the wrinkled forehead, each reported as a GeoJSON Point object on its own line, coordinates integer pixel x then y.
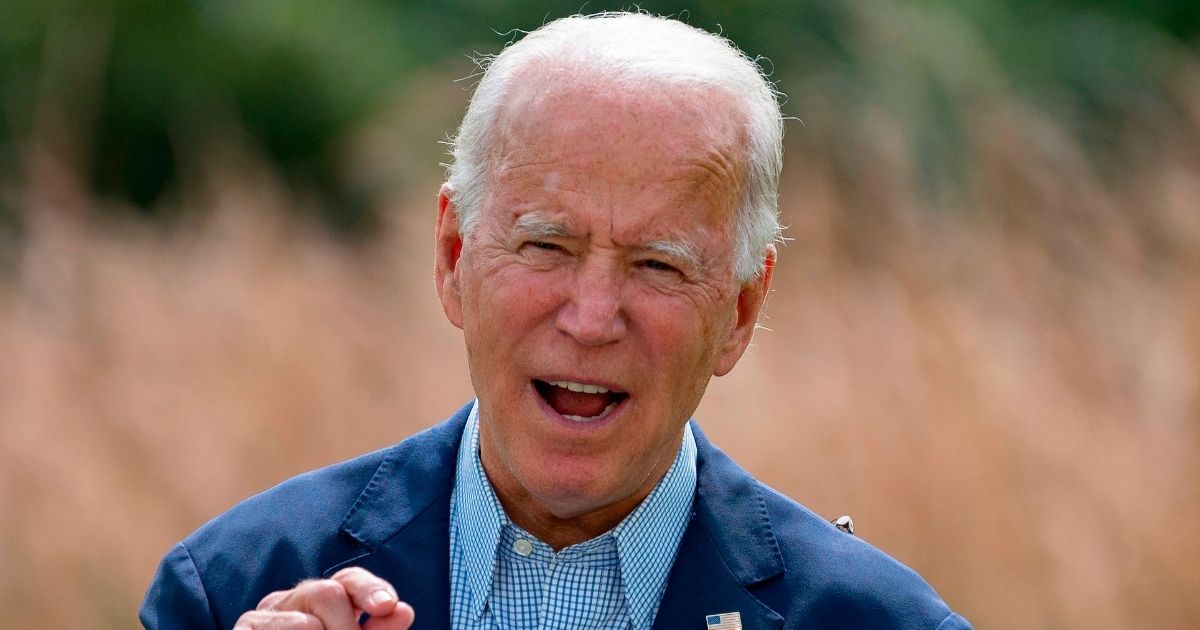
{"type": "Point", "coordinates": [659, 144]}
{"type": "Point", "coordinates": [583, 103]}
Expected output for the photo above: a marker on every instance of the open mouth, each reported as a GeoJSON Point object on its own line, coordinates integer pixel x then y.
{"type": "Point", "coordinates": [579, 402]}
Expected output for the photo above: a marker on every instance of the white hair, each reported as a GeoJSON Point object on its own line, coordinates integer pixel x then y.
{"type": "Point", "coordinates": [640, 48]}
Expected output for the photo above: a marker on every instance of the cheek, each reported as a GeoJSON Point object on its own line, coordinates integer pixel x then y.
{"type": "Point", "coordinates": [527, 294]}
{"type": "Point", "coordinates": [671, 331]}
{"type": "Point", "coordinates": [685, 342]}
{"type": "Point", "coordinates": [682, 317]}
{"type": "Point", "coordinates": [506, 301]}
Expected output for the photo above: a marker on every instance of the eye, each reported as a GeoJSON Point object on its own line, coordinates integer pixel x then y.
{"type": "Point", "coordinates": [543, 250]}
{"type": "Point", "coordinates": [657, 265]}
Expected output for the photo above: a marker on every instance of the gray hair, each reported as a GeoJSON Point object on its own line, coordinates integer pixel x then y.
{"type": "Point", "coordinates": [635, 47]}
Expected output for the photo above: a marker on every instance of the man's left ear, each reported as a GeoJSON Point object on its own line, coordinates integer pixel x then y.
{"type": "Point", "coordinates": [750, 302]}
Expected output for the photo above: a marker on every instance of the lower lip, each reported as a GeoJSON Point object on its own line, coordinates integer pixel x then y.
{"type": "Point", "coordinates": [577, 425]}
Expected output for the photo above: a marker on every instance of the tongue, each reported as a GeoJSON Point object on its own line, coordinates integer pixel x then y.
{"type": "Point", "coordinates": [569, 403]}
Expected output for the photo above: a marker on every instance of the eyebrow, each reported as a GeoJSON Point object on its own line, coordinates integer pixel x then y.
{"type": "Point", "coordinates": [678, 250]}
{"type": "Point", "coordinates": [532, 226]}
{"type": "Point", "coordinates": [537, 227]}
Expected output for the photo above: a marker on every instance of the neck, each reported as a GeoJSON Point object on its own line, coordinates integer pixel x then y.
{"type": "Point", "coordinates": [559, 532]}
{"type": "Point", "coordinates": [562, 524]}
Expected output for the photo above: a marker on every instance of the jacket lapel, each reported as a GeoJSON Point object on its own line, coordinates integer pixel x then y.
{"type": "Point", "coordinates": [729, 546]}
{"type": "Point", "coordinates": [417, 562]}
{"type": "Point", "coordinates": [402, 521]}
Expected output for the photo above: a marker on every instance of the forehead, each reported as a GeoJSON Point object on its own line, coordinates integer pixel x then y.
{"type": "Point", "coordinates": [560, 132]}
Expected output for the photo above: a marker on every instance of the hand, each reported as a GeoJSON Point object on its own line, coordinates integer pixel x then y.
{"type": "Point", "coordinates": [332, 604]}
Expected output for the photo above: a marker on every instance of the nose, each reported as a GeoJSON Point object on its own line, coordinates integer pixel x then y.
{"type": "Point", "coordinates": [593, 314]}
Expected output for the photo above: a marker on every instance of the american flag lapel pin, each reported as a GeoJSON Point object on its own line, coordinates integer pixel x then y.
{"type": "Point", "coordinates": [725, 621]}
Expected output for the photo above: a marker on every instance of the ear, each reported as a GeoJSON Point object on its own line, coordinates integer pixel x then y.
{"type": "Point", "coordinates": [447, 253]}
{"type": "Point", "coordinates": [750, 302]}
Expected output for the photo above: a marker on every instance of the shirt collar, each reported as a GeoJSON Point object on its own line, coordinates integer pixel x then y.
{"type": "Point", "coordinates": [649, 537]}
{"type": "Point", "coordinates": [477, 516]}
{"type": "Point", "coordinates": [647, 540]}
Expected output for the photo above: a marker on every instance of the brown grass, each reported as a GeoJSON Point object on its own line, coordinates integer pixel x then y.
{"type": "Point", "coordinates": [1006, 398]}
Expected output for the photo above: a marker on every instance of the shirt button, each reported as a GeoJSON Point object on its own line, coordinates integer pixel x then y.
{"type": "Point", "coordinates": [523, 547]}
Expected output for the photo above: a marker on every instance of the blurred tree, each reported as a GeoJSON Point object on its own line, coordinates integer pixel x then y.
{"type": "Point", "coordinates": [297, 76]}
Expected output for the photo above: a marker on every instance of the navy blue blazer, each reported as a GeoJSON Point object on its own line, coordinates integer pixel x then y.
{"type": "Point", "coordinates": [747, 548]}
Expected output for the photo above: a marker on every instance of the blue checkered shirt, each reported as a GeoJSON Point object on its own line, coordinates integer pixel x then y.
{"type": "Point", "coordinates": [503, 577]}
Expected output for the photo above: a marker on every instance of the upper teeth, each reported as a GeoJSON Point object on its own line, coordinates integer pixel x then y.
{"type": "Point", "coordinates": [580, 387]}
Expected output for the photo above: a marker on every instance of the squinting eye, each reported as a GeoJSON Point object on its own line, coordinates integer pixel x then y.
{"type": "Point", "coordinates": [544, 245]}
{"type": "Point", "coordinates": [657, 265]}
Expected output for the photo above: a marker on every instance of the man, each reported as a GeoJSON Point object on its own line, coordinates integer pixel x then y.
{"type": "Point", "coordinates": [604, 241]}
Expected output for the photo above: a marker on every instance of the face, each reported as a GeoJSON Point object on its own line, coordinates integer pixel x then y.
{"type": "Point", "coordinates": [596, 291]}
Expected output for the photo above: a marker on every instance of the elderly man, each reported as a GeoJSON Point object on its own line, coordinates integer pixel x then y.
{"type": "Point", "coordinates": [605, 244]}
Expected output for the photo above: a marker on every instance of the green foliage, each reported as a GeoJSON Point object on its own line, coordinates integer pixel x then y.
{"type": "Point", "coordinates": [139, 82]}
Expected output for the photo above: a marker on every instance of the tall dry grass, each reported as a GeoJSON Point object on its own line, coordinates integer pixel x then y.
{"type": "Point", "coordinates": [1007, 398]}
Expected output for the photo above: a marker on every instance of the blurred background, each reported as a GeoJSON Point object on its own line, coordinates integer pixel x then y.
{"type": "Point", "coordinates": [984, 339]}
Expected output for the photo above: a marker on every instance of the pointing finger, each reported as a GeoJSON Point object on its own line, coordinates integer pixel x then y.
{"type": "Point", "coordinates": [370, 594]}
{"type": "Point", "coordinates": [327, 600]}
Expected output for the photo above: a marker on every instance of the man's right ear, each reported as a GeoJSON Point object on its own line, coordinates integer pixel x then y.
{"type": "Point", "coordinates": [447, 253]}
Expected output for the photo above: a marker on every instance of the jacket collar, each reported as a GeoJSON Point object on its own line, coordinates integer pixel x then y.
{"type": "Point", "coordinates": [414, 475]}
{"type": "Point", "coordinates": [728, 548]}
{"type": "Point", "coordinates": [729, 503]}
{"type": "Point", "coordinates": [401, 518]}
